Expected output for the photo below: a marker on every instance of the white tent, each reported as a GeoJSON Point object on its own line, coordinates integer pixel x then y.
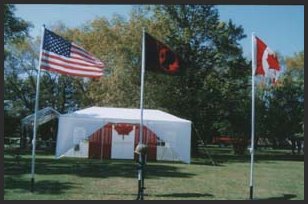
{"type": "Point", "coordinates": [80, 125]}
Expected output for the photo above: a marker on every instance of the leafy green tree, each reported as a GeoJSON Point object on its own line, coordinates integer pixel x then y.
{"type": "Point", "coordinates": [295, 62]}
{"type": "Point", "coordinates": [120, 87]}
{"type": "Point", "coordinates": [213, 93]}
{"type": "Point", "coordinates": [18, 90]}
{"type": "Point", "coordinates": [216, 79]}
{"type": "Point", "coordinates": [15, 32]}
{"type": "Point", "coordinates": [283, 109]}
{"type": "Point", "coordinates": [62, 93]}
{"type": "Point", "coordinates": [215, 67]}
{"type": "Point", "coordinates": [15, 29]}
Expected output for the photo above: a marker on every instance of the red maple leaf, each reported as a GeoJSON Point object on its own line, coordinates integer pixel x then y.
{"type": "Point", "coordinates": [123, 128]}
{"type": "Point", "coordinates": [272, 61]}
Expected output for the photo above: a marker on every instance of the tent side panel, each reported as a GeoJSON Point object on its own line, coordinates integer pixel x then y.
{"type": "Point", "coordinates": [95, 145]}
{"type": "Point", "coordinates": [149, 138]}
{"type": "Point", "coordinates": [100, 143]}
{"type": "Point", "coordinates": [177, 138]}
{"type": "Point", "coordinates": [107, 140]}
{"type": "Point", "coordinates": [74, 129]}
{"type": "Point", "coordinates": [152, 143]}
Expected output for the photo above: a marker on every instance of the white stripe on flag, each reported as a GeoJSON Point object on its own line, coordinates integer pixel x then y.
{"type": "Point", "coordinates": [61, 69]}
{"type": "Point", "coordinates": [72, 64]}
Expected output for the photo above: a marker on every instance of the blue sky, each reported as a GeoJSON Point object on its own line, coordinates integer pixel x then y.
{"type": "Point", "coordinates": [280, 27]}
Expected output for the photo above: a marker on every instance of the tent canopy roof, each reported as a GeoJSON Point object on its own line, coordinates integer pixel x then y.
{"type": "Point", "coordinates": [43, 116]}
{"type": "Point", "coordinates": [79, 125]}
{"type": "Point", "coordinates": [124, 113]}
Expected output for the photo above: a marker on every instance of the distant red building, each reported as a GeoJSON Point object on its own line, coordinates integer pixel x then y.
{"type": "Point", "coordinates": [223, 140]}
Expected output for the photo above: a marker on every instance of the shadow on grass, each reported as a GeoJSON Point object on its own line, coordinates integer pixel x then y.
{"type": "Point", "coordinates": [185, 195]}
{"type": "Point", "coordinates": [41, 187]}
{"type": "Point", "coordinates": [225, 155]}
{"type": "Point", "coordinates": [92, 168]}
{"type": "Point", "coordinates": [207, 163]}
{"type": "Point", "coordinates": [283, 197]}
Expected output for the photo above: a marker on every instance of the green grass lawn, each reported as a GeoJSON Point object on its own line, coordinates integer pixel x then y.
{"type": "Point", "coordinates": [278, 175]}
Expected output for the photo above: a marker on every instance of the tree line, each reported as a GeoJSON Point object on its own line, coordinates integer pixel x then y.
{"type": "Point", "coordinates": [214, 93]}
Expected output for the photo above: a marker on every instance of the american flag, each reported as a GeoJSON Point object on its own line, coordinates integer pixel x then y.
{"type": "Point", "coordinates": [62, 56]}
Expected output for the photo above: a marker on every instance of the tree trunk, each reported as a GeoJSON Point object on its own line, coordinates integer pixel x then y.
{"type": "Point", "coordinates": [293, 146]}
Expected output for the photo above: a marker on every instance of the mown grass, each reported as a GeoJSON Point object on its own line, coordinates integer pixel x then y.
{"type": "Point", "coordinates": [277, 175]}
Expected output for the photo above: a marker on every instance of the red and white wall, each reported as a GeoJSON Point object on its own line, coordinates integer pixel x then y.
{"type": "Point", "coordinates": [118, 141]}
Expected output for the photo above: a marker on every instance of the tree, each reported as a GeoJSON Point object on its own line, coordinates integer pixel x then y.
{"type": "Point", "coordinates": [212, 93]}
{"type": "Point", "coordinates": [15, 32]}
{"type": "Point", "coordinates": [216, 79]}
{"type": "Point", "coordinates": [18, 90]}
{"type": "Point", "coordinates": [296, 61]}
{"type": "Point", "coordinates": [15, 29]}
{"type": "Point", "coordinates": [62, 93]}
{"type": "Point", "coordinates": [284, 105]}
{"type": "Point", "coordinates": [213, 58]}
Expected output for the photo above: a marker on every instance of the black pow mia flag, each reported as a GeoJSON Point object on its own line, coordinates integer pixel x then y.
{"type": "Point", "coordinates": [160, 58]}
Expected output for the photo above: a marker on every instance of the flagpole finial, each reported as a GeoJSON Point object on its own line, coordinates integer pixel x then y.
{"type": "Point", "coordinates": [43, 28]}
{"type": "Point", "coordinates": [253, 34]}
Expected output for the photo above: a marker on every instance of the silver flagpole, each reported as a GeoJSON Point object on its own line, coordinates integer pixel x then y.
{"type": "Point", "coordinates": [35, 111]}
{"type": "Point", "coordinates": [141, 153]}
{"type": "Point", "coordinates": [141, 89]}
{"type": "Point", "coordinates": [252, 113]}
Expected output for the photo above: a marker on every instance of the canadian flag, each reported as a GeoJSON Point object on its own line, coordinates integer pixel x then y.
{"type": "Point", "coordinates": [267, 61]}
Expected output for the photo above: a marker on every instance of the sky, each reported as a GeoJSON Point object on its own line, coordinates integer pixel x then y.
{"type": "Point", "coordinates": [281, 27]}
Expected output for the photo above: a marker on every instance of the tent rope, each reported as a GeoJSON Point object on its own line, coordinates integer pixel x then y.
{"type": "Point", "coordinates": [203, 145]}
